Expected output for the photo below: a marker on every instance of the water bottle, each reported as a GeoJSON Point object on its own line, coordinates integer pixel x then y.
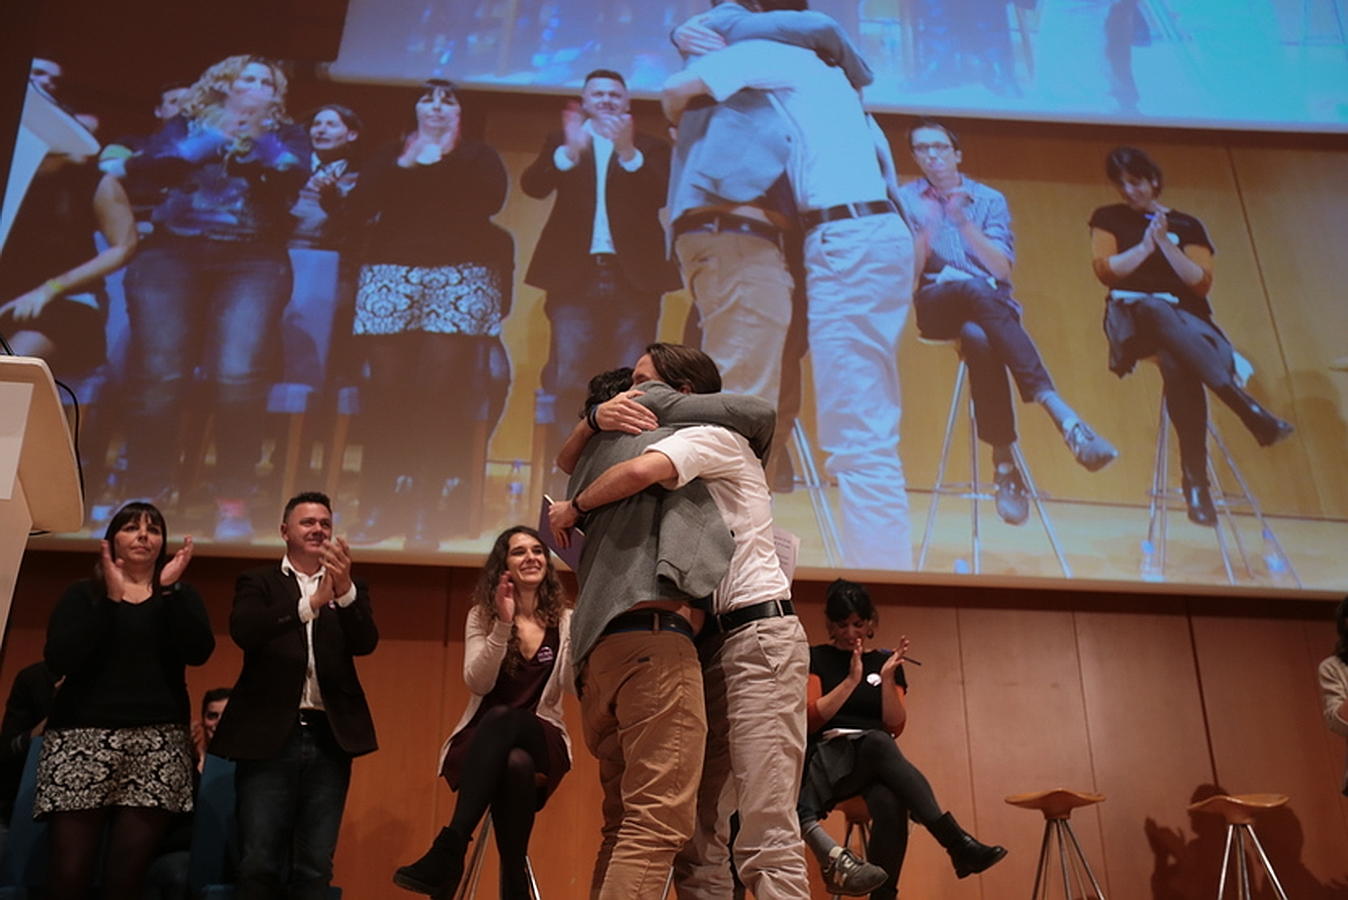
{"type": "Point", "coordinates": [961, 566]}
{"type": "Point", "coordinates": [1151, 563]}
{"type": "Point", "coordinates": [1279, 572]}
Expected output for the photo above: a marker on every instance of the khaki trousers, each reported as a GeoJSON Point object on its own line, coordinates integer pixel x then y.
{"type": "Point", "coordinates": [645, 722]}
{"type": "Point", "coordinates": [755, 687]}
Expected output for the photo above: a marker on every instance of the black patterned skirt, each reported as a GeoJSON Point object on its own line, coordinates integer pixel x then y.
{"type": "Point", "coordinates": [89, 768]}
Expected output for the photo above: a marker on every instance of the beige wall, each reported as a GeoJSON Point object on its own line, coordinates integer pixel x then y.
{"type": "Point", "coordinates": [1142, 699]}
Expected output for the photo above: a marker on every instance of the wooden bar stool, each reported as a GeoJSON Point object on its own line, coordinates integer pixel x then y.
{"type": "Point", "coordinates": [1239, 810]}
{"type": "Point", "coordinates": [473, 872]}
{"type": "Point", "coordinates": [1057, 806]}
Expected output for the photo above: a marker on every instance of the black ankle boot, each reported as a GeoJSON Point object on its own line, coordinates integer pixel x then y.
{"type": "Point", "coordinates": [1267, 428]}
{"type": "Point", "coordinates": [968, 856]}
{"type": "Point", "coordinates": [437, 873]}
{"type": "Point", "coordinates": [1198, 500]}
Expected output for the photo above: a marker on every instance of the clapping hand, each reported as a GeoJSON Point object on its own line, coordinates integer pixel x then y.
{"type": "Point", "coordinates": [692, 38]}
{"type": "Point", "coordinates": [505, 599]}
{"type": "Point", "coordinates": [894, 660]}
{"type": "Point", "coordinates": [620, 130]}
{"type": "Point", "coordinates": [573, 131]}
{"type": "Point", "coordinates": [336, 562]}
{"type": "Point", "coordinates": [114, 573]}
{"type": "Point", "coordinates": [175, 567]}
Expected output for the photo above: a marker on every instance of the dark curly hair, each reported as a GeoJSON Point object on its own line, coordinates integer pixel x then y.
{"type": "Point", "coordinates": [551, 599]}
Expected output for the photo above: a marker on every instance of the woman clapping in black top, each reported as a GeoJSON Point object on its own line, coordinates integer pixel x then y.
{"type": "Point", "coordinates": [117, 749]}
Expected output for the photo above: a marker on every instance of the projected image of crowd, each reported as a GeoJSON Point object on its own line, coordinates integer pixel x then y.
{"type": "Point", "coordinates": [245, 273]}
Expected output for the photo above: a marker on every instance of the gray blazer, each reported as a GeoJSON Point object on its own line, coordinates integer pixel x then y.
{"type": "Point", "coordinates": [658, 544]}
{"type": "Point", "coordinates": [733, 152]}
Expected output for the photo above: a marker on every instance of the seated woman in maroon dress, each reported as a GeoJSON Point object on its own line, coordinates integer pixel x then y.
{"type": "Point", "coordinates": [510, 748]}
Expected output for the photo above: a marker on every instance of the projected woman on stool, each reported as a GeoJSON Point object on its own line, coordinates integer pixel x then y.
{"type": "Point", "coordinates": [1157, 262]}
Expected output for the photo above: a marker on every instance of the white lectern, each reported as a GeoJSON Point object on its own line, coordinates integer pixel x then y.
{"type": "Point", "coordinates": [39, 480]}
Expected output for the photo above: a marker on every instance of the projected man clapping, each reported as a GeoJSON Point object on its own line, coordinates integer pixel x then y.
{"type": "Point", "coordinates": [601, 256]}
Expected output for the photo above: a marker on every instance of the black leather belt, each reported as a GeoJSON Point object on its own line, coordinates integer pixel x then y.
{"type": "Point", "coordinates": [648, 620]}
{"type": "Point", "coordinates": [738, 618]}
{"type": "Point", "coordinates": [604, 260]}
{"type": "Point", "coordinates": [814, 217]}
{"type": "Point", "coordinates": [715, 223]}
{"type": "Point", "coordinates": [313, 718]}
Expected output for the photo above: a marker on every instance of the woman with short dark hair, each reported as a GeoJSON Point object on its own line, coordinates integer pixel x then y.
{"type": "Point", "coordinates": [855, 712]}
{"type": "Point", "coordinates": [1157, 263]}
{"type": "Point", "coordinates": [117, 750]}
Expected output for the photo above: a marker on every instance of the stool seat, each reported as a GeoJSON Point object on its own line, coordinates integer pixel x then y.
{"type": "Point", "coordinates": [1238, 809]}
{"type": "Point", "coordinates": [1057, 803]}
{"type": "Point", "coordinates": [855, 810]}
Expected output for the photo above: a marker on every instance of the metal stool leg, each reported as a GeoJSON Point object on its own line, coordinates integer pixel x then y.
{"type": "Point", "coordinates": [669, 885]}
{"type": "Point", "coordinates": [468, 886]}
{"type": "Point", "coordinates": [1247, 496]}
{"type": "Point", "coordinates": [1038, 500]}
{"type": "Point", "coordinates": [940, 468]}
{"type": "Point", "coordinates": [815, 487]}
{"type": "Point", "coordinates": [975, 540]}
{"type": "Point", "coordinates": [1226, 857]}
{"type": "Point", "coordinates": [1041, 869]}
{"type": "Point", "coordinates": [1085, 864]}
{"type": "Point", "coordinates": [533, 882]}
{"type": "Point", "coordinates": [1268, 866]}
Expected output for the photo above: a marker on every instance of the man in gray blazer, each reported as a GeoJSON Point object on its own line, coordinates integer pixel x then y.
{"type": "Point", "coordinates": [648, 564]}
{"type": "Point", "coordinates": [729, 204]}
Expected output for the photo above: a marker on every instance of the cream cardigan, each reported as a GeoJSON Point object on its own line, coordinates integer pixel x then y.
{"type": "Point", "coordinates": [484, 649]}
{"type": "Point", "coordinates": [1333, 693]}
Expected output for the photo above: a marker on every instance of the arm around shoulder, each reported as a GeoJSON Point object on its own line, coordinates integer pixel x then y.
{"type": "Point", "coordinates": [1334, 694]}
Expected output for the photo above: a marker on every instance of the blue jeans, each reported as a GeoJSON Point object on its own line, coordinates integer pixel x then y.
{"type": "Point", "coordinates": [213, 306]}
{"type": "Point", "coordinates": [602, 325]}
{"type": "Point", "coordinates": [992, 340]}
{"type": "Point", "coordinates": [289, 810]}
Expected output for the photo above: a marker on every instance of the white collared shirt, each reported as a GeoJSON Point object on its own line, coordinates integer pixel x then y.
{"type": "Point", "coordinates": [601, 235]}
{"type": "Point", "coordinates": [835, 161]}
{"type": "Point", "coordinates": [311, 697]}
{"type": "Point", "coordinates": [734, 478]}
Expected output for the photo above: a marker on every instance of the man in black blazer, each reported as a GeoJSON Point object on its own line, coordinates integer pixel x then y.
{"type": "Point", "coordinates": [601, 256]}
{"type": "Point", "coordinates": [297, 715]}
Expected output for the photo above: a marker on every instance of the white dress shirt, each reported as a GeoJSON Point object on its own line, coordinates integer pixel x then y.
{"type": "Point", "coordinates": [601, 236]}
{"type": "Point", "coordinates": [734, 477]}
{"type": "Point", "coordinates": [311, 697]}
{"type": "Point", "coordinates": [834, 162]}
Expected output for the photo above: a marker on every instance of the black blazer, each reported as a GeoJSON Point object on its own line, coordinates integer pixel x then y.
{"type": "Point", "coordinates": [634, 200]}
{"type": "Point", "coordinates": [264, 705]}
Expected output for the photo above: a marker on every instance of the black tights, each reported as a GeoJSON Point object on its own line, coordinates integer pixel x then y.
{"type": "Point", "coordinates": [424, 394]}
{"type": "Point", "coordinates": [133, 837]}
{"type": "Point", "coordinates": [892, 788]}
{"type": "Point", "coordinates": [507, 751]}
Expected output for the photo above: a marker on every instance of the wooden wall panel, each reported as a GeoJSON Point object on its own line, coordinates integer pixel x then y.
{"type": "Point", "coordinates": [1027, 731]}
{"type": "Point", "coordinates": [1298, 215]}
{"type": "Point", "coordinates": [1021, 690]}
{"type": "Point", "coordinates": [1147, 737]}
{"type": "Point", "coordinates": [1267, 735]}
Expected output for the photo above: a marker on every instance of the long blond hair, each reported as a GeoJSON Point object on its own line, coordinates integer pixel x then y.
{"type": "Point", "coordinates": [212, 87]}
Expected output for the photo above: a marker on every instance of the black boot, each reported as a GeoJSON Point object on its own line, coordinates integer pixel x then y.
{"type": "Point", "coordinates": [1198, 501]}
{"type": "Point", "coordinates": [437, 873]}
{"type": "Point", "coordinates": [1267, 428]}
{"type": "Point", "coordinates": [966, 853]}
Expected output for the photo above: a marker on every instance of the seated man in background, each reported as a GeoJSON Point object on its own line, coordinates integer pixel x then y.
{"type": "Point", "coordinates": [965, 253]}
